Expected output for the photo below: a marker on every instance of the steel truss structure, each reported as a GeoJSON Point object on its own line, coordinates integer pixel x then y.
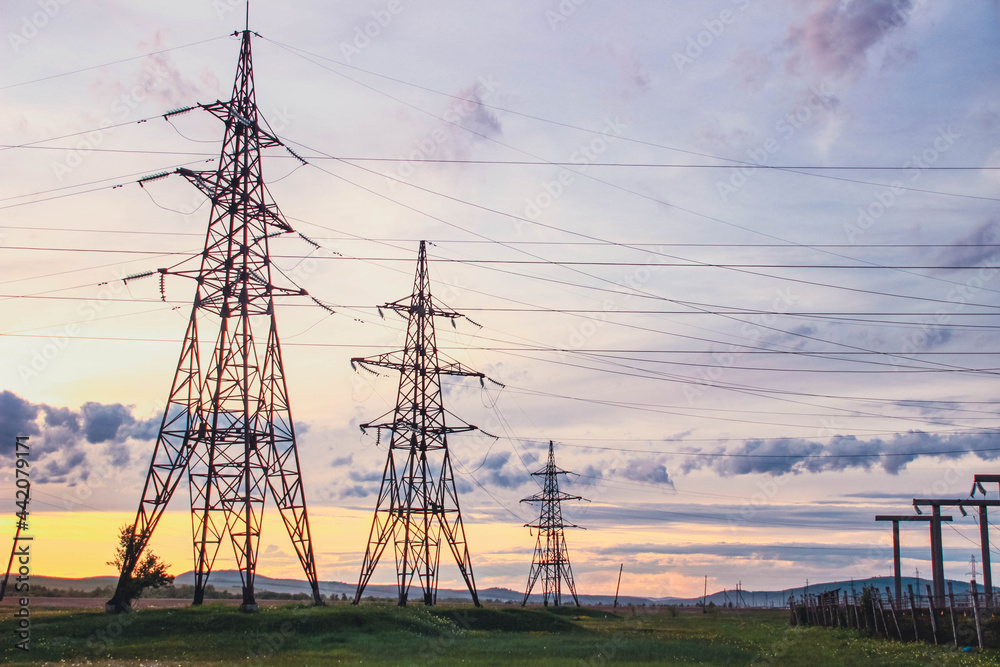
{"type": "Point", "coordinates": [551, 559]}
{"type": "Point", "coordinates": [418, 502]}
{"type": "Point", "coordinates": [230, 427]}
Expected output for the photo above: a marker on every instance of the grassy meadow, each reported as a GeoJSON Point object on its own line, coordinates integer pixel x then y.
{"type": "Point", "coordinates": [380, 634]}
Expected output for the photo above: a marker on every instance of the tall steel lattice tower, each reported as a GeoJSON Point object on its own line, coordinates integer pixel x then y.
{"type": "Point", "coordinates": [551, 559]}
{"type": "Point", "coordinates": [230, 427]}
{"type": "Point", "coordinates": [418, 501]}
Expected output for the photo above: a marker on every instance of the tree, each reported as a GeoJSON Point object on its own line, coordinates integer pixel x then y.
{"type": "Point", "coordinates": [149, 572]}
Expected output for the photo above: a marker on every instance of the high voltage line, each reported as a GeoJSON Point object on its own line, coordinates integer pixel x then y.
{"type": "Point", "coordinates": [698, 265]}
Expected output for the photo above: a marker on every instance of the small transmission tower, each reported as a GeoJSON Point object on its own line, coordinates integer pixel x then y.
{"type": "Point", "coordinates": [230, 428]}
{"type": "Point", "coordinates": [418, 501]}
{"type": "Point", "coordinates": [551, 559]}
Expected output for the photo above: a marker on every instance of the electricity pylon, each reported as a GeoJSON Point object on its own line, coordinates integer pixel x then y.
{"type": "Point", "coordinates": [551, 559]}
{"type": "Point", "coordinates": [418, 501]}
{"type": "Point", "coordinates": [230, 428]}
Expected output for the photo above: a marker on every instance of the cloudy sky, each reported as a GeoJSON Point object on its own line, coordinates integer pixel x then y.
{"type": "Point", "coordinates": [736, 258]}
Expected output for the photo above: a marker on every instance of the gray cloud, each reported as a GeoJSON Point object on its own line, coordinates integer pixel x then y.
{"type": "Point", "coordinates": [342, 460]}
{"type": "Point", "coordinates": [649, 471]}
{"type": "Point", "coordinates": [476, 117]}
{"type": "Point", "coordinates": [63, 439]}
{"type": "Point", "coordinates": [103, 421]}
{"type": "Point", "coordinates": [17, 417]}
{"type": "Point", "coordinates": [836, 37]}
{"type": "Point", "coordinates": [495, 475]}
{"type": "Point", "coordinates": [969, 251]}
{"type": "Point", "coordinates": [794, 456]}
{"type": "Point", "coordinates": [468, 123]}
{"type": "Point", "coordinates": [365, 475]}
{"type": "Point", "coordinates": [61, 417]}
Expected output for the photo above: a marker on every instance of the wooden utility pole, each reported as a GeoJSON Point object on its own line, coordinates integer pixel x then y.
{"type": "Point", "coordinates": [618, 587]}
{"type": "Point", "coordinates": [935, 530]}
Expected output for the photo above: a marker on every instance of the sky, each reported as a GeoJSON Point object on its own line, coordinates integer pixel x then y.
{"type": "Point", "coordinates": [737, 259]}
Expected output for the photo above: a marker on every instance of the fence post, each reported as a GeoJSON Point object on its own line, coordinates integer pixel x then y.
{"type": "Point", "coordinates": [913, 613]}
{"type": "Point", "coordinates": [874, 611]}
{"type": "Point", "coordinates": [881, 609]}
{"type": "Point", "coordinates": [930, 608]}
{"type": "Point", "coordinates": [791, 606]}
{"type": "Point", "coordinates": [892, 608]}
{"type": "Point", "coordinates": [975, 609]}
{"type": "Point", "coordinates": [951, 606]}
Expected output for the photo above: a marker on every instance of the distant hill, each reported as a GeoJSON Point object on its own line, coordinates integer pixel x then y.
{"type": "Point", "coordinates": [780, 598]}
{"type": "Point", "coordinates": [230, 580]}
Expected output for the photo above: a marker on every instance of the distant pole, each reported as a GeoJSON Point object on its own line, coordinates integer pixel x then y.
{"type": "Point", "coordinates": [619, 586]}
{"type": "Point", "coordinates": [704, 597]}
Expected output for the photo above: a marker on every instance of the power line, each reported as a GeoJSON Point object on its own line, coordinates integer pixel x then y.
{"type": "Point", "coordinates": [113, 62]}
{"type": "Point", "coordinates": [576, 311]}
{"type": "Point", "coordinates": [514, 242]}
{"type": "Point", "coordinates": [732, 162]}
{"type": "Point", "coordinates": [81, 192]}
{"type": "Point", "coordinates": [543, 262]}
{"type": "Point", "coordinates": [575, 171]}
{"type": "Point", "coordinates": [524, 163]}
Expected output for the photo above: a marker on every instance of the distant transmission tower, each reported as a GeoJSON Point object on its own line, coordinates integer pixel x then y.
{"type": "Point", "coordinates": [418, 501]}
{"type": "Point", "coordinates": [551, 559]}
{"type": "Point", "coordinates": [230, 428]}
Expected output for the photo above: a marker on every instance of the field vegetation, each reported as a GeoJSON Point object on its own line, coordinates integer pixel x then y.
{"type": "Point", "coordinates": [379, 633]}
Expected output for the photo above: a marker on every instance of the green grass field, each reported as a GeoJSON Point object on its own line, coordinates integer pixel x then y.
{"type": "Point", "coordinates": [380, 634]}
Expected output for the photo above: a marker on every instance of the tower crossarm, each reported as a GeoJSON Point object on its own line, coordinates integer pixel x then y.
{"type": "Point", "coordinates": [408, 305]}
{"type": "Point", "coordinates": [554, 471]}
{"type": "Point", "coordinates": [394, 361]}
{"type": "Point", "coordinates": [547, 526]}
{"type": "Point", "coordinates": [208, 183]}
{"type": "Point", "coordinates": [399, 426]}
{"type": "Point", "coordinates": [229, 113]}
{"type": "Point", "coordinates": [542, 497]}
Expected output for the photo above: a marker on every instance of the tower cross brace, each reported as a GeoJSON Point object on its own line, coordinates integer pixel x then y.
{"type": "Point", "coordinates": [228, 425]}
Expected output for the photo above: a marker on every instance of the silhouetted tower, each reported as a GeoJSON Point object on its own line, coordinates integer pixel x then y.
{"type": "Point", "coordinates": [551, 559]}
{"type": "Point", "coordinates": [230, 428]}
{"type": "Point", "coordinates": [418, 501]}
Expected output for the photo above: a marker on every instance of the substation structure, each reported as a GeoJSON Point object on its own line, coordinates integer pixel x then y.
{"type": "Point", "coordinates": [934, 520]}
{"type": "Point", "coordinates": [935, 527]}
